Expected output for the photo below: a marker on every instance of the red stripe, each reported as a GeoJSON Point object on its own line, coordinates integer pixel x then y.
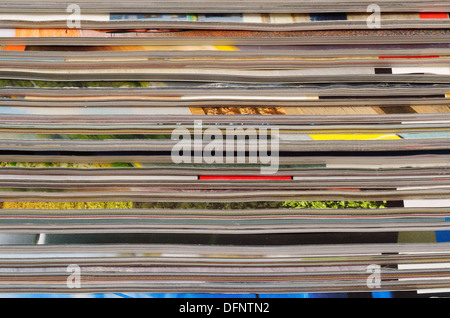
{"type": "Point", "coordinates": [410, 57]}
{"type": "Point", "coordinates": [245, 178]}
{"type": "Point", "coordinates": [433, 15]}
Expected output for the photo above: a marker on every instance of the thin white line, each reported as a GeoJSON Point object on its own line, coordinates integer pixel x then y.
{"type": "Point", "coordinates": [423, 188]}
{"type": "Point", "coordinates": [433, 290]}
{"type": "Point", "coordinates": [423, 266]}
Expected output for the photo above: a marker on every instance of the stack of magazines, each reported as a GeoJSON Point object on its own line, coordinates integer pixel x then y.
{"type": "Point", "coordinates": [244, 147]}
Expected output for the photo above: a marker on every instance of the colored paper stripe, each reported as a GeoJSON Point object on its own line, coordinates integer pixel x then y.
{"type": "Point", "coordinates": [433, 15]}
{"type": "Point", "coordinates": [428, 135]}
{"type": "Point", "coordinates": [245, 178]}
{"type": "Point", "coordinates": [442, 236]}
{"type": "Point", "coordinates": [226, 47]}
{"type": "Point", "coordinates": [354, 137]}
{"type": "Point", "coordinates": [14, 48]}
{"type": "Point", "coordinates": [383, 294]}
{"type": "Point", "coordinates": [409, 57]}
{"type": "Point", "coordinates": [383, 70]}
{"type": "Point", "coordinates": [328, 16]}
{"type": "Point", "coordinates": [47, 33]}
{"type": "Point", "coordinates": [94, 178]}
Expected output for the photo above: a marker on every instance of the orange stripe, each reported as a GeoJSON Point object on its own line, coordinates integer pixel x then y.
{"type": "Point", "coordinates": [47, 33]}
{"type": "Point", "coordinates": [14, 48]}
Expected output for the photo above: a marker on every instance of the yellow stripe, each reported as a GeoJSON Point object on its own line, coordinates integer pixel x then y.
{"type": "Point", "coordinates": [66, 205]}
{"type": "Point", "coordinates": [137, 165]}
{"type": "Point", "coordinates": [353, 137]}
{"type": "Point", "coordinates": [226, 48]}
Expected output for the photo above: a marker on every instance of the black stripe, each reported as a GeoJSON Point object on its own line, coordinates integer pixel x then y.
{"type": "Point", "coordinates": [383, 70]}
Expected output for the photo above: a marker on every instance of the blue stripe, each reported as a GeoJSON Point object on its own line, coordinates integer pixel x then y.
{"type": "Point", "coordinates": [442, 236]}
{"type": "Point", "coordinates": [383, 294]}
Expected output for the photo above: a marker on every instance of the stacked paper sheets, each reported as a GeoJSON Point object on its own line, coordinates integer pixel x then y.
{"type": "Point", "coordinates": [339, 117]}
